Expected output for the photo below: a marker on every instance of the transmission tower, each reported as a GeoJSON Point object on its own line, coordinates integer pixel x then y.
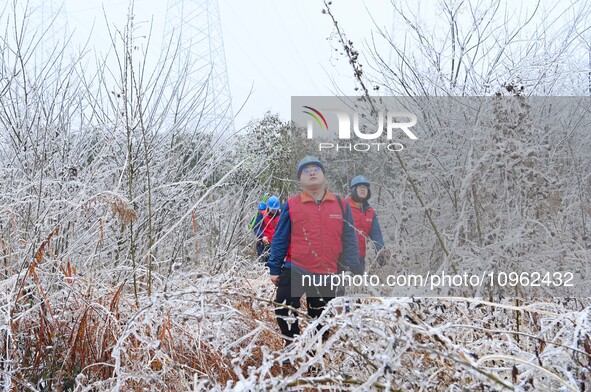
{"type": "Point", "coordinates": [49, 24]}
{"type": "Point", "coordinates": [195, 26]}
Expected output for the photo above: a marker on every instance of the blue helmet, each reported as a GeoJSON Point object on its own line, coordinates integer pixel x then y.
{"type": "Point", "coordinates": [359, 180]}
{"type": "Point", "coordinates": [262, 206]}
{"type": "Point", "coordinates": [273, 203]}
{"type": "Point", "coordinates": [309, 160]}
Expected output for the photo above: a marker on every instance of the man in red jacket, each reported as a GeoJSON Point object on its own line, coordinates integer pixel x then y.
{"type": "Point", "coordinates": [314, 232]}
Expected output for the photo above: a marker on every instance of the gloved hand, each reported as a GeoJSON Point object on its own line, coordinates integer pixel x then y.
{"type": "Point", "coordinates": [383, 257]}
{"type": "Point", "coordinates": [381, 260]}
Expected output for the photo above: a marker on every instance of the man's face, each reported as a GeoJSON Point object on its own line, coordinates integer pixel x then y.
{"type": "Point", "coordinates": [312, 177]}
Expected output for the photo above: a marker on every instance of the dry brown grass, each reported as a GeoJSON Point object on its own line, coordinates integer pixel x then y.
{"type": "Point", "coordinates": [72, 332]}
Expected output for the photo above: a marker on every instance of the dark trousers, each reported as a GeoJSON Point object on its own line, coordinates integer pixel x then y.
{"type": "Point", "coordinates": [266, 253]}
{"type": "Point", "coordinates": [289, 292]}
{"type": "Point", "coordinates": [260, 248]}
{"type": "Point", "coordinates": [362, 262]}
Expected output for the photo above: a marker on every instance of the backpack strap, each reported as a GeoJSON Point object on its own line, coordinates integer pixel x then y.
{"type": "Point", "coordinates": [341, 205]}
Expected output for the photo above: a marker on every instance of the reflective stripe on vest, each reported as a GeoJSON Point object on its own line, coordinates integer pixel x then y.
{"type": "Point", "coordinates": [316, 233]}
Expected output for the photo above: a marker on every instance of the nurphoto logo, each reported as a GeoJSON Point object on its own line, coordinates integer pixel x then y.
{"type": "Point", "coordinates": [392, 126]}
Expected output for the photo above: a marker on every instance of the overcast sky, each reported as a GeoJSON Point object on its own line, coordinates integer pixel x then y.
{"type": "Point", "coordinates": [279, 49]}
